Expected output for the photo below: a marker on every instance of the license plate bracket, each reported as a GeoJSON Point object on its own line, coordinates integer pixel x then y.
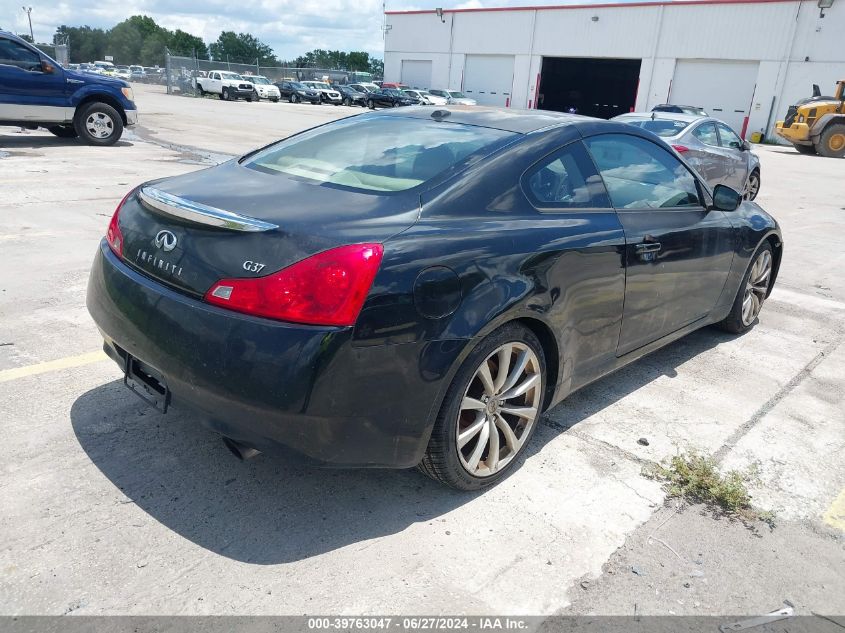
{"type": "Point", "coordinates": [146, 383]}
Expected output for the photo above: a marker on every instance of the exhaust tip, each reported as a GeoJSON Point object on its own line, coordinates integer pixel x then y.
{"type": "Point", "coordinates": [241, 451]}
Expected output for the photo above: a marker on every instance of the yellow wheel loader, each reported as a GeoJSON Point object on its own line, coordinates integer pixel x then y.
{"type": "Point", "coordinates": [817, 125]}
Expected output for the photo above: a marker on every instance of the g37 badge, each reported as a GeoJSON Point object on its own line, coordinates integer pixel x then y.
{"type": "Point", "coordinates": [253, 267]}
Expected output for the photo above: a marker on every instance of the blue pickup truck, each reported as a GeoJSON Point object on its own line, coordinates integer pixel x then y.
{"type": "Point", "coordinates": [35, 91]}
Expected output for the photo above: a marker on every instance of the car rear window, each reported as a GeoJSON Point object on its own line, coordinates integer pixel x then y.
{"type": "Point", "coordinates": [377, 153]}
{"type": "Point", "coordinates": [661, 127]}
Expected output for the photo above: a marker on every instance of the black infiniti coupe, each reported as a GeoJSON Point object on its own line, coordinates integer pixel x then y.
{"type": "Point", "coordinates": [415, 287]}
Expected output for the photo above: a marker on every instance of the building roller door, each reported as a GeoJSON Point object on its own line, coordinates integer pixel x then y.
{"type": "Point", "coordinates": [489, 79]}
{"type": "Point", "coordinates": [416, 73]}
{"type": "Point", "coordinates": [723, 88]}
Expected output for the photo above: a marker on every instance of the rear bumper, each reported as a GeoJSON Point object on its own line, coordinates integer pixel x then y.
{"type": "Point", "coordinates": [271, 384]}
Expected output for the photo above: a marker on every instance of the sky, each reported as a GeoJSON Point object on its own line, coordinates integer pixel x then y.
{"type": "Point", "coordinates": [290, 27]}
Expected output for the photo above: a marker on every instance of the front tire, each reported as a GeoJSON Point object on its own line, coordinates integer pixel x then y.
{"type": "Point", "coordinates": [63, 131]}
{"type": "Point", "coordinates": [224, 95]}
{"type": "Point", "coordinates": [371, 105]}
{"type": "Point", "coordinates": [832, 141]}
{"type": "Point", "coordinates": [752, 292]}
{"type": "Point", "coordinates": [804, 149]}
{"type": "Point", "coordinates": [347, 102]}
{"type": "Point", "coordinates": [98, 124]}
{"type": "Point", "coordinates": [490, 411]}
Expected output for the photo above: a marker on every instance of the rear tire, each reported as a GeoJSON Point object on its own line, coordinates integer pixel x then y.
{"type": "Point", "coordinates": [63, 131]}
{"type": "Point", "coordinates": [98, 124]}
{"type": "Point", "coordinates": [832, 141]}
{"type": "Point", "coordinates": [470, 405]}
{"type": "Point", "coordinates": [804, 149]}
{"type": "Point", "coordinates": [754, 288]}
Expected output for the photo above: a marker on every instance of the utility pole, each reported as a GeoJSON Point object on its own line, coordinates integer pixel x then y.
{"type": "Point", "coordinates": [28, 11]}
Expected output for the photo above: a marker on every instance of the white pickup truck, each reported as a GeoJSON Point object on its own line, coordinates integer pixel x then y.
{"type": "Point", "coordinates": [226, 85]}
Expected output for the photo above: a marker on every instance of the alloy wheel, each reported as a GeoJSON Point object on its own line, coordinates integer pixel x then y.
{"type": "Point", "coordinates": [753, 186]}
{"type": "Point", "coordinates": [498, 410]}
{"type": "Point", "coordinates": [99, 125]}
{"type": "Point", "coordinates": [756, 287]}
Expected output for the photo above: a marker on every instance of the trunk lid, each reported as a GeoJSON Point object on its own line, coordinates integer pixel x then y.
{"type": "Point", "coordinates": [231, 221]}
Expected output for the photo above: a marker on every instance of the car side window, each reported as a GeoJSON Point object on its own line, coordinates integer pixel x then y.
{"type": "Point", "coordinates": [729, 137]}
{"type": "Point", "coordinates": [14, 54]}
{"type": "Point", "coordinates": [639, 174]}
{"type": "Point", "coordinates": [565, 179]}
{"type": "Point", "coordinates": [706, 133]}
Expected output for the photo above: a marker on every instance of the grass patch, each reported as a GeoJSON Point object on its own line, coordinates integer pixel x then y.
{"type": "Point", "coordinates": [696, 478]}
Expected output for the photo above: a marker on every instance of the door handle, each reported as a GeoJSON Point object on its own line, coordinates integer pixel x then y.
{"type": "Point", "coordinates": [647, 247]}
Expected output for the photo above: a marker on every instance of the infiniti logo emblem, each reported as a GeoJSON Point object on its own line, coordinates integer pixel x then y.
{"type": "Point", "coordinates": [165, 240]}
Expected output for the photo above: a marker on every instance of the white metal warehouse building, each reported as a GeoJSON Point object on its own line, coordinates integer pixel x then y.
{"type": "Point", "coordinates": [744, 61]}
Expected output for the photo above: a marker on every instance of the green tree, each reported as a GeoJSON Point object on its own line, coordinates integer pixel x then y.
{"type": "Point", "coordinates": [376, 67]}
{"type": "Point", "coordinates": [242, 48]}
{"type": "Point", "coordinates": [86, 44]}
{"type": "Point", "coordinates": [26, 37]}
{"type": "Point", "coordinates": [145, 26]}
{"type": "Point", "coordinates": [152, 51]}
{"type": "Point", "coordinates": [181, 43]}
{"type": "Point", "coordinates": [124, 43]}
{"type": "Point", "coordinates": [335, 60]}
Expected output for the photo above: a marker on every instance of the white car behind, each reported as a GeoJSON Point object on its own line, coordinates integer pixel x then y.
{"type": "Point", "coordinates": [453, 97]}
{"type": "Point", "coordinates": [264, 88]}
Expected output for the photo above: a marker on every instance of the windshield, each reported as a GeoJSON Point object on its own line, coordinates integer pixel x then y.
{"type": "Point", "coordinates": [259, 80]}
{"type": "Point", "coordinates": [298, 86]}
{"type": "Point", "coordinates": [234, 76]}
{"type": "Point", "coordinates": [394, 92]}
{"type": "Point", "coordinates": [320, 84]}
{"type": "Point", "coordinates": [456, 94]}
{"type": "Point", "coordinates": [376, 154]}
{"type": "Point", "coordinates": [661, 127]}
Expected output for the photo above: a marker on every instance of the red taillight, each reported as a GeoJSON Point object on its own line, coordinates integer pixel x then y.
{"type": "Point", "coordinates": [681, 148]}
{"type": "Point", "coordinates": [113, 235]}
{"type": "Point", "coordinates": [328, 288]}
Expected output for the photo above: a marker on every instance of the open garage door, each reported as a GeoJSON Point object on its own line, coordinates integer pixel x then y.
{"type": "Point", "coordinates": [593, 86]}
{"type": "Point", "coordinates": [416, 73]}
{"type": "Point", "coordinates": [723, 88]}
{"type": "Point", "coordinates": [489, 79]}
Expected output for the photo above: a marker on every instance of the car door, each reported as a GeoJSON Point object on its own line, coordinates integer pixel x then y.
{"type": "Point", "coordinates": [705, 154]}
{"type": "Point", "coordinates": [216, 82]}
{"type": "Point", "coordinates": [31, 88]}
{"type": "Point", "coordinates": [678, 252]}
{"type": "Point", "coordinates": [737, 160]}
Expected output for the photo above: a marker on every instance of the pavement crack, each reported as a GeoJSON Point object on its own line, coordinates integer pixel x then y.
{"type": "Point", "coordinates": [772, 402]}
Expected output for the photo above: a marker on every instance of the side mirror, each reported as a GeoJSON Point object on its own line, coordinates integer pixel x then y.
{"type": "Point", "coordinates": [745, 146]}
{"type": "Point", "coordinates": [725, 198]}
{"type": "Point", "coordinates": [47, 68]}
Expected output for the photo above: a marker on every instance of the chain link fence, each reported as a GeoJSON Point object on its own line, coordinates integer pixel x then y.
{"type": "Point", "coordinates": [180, 73]}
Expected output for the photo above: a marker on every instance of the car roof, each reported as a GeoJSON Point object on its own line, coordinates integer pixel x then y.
{"type": "Point", "coordinates": [507, 119]}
